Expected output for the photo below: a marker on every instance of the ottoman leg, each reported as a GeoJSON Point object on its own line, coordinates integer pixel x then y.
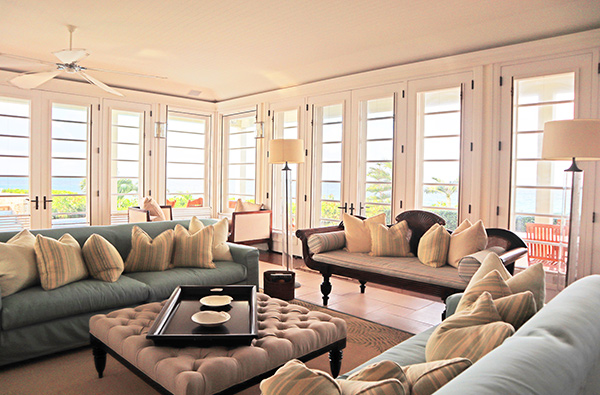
{"type": "Point", "coordinates": [325, 288]}
{"type": "Point", "coordinates": [335, 361]}
{"type": "Point", "coordinates": [99, 358]}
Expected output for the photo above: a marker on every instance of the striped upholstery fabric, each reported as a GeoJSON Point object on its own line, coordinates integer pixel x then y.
{"type": "Point", "coordinates": [102, 259]}
{"type": "Point", "coordinates": [323, 242]}
{"type": "Point", "coordinates": [193, 250]}
{"type": "Point", "coordinates": [407, 268]}
{"type": "Point", "coordinates": [59, 261]}
{"type": "Point", "coordinates": [382, 387]}
{"type": "Point", "coordinates": [426, 378]}
{"type": "Point", "coordinates": [220, 248]}
{"type": "Point", "coordinates": [516, 309]}
{"type": "Point", "coordinates": [149, 255]}
{"type": "Point", "coordinates": [358, 235]}
{"type": "Point", "coordinates": [433, 246]}
{"type": "Point", "coordinates": [392, 241]}
{"type": "Point", "coordinates": [18, 266]}
{"type": "Point", "coordinates": [469, 334]}
{"type": "Point", "coordinates": [380, 371]}
{"type": "Point", "coordinates": [469, 264]}
{"type": "Point", "coordinates": [294, 378]}
{"type": "Point", "coordinates": [466, 240]}
{"type": "Point", "coordinates": [493, 283]}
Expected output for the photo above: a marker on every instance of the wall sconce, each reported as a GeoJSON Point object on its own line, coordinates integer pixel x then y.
{"type": "Point", "coordinates": [260, 121]}
{"type": "Point", "coordinates": [160, 130]}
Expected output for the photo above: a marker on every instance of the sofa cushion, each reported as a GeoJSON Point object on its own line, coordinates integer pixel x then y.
{"type": "Point", "coordinates": [162, 284]}
{"type": "Point", "coordinates": [149, 254]}
{"type": "Point", "coordinates": [493, 283]}
{"type": "Point", "coordinates": [516, 309]}
{"type": "Point", "coordinates": [358, 235]}
{"type": "Point", "coordinates": [329, 241]}
{"type": "Point", "coordinates": [102, 259]}
{"type": "Point", "coordinates": [469, 334]}
{"type": "Point", "coordinates": [409, 268]}
{"type": "Point", "coordinates": [220, 248]}
{"type": "Point", "coordinates": [433, 246]}
{"type": "Point", "coordinates": [465, 241]}
{"type": "Point", "coordinates": [380, 387]}
{"type": "Point", "coordinates": [392, 241]}
{"type": "Point", "coordinates": [426, 378]}
{"type": "Point", "coordinates": [294, 378]}
{"type": "Point", "coordinates": [193, 249]}
{"type": "Point", "coordinates": [59, 262]}
{"type": "Point", "coordinates": [34, 305]}
{"type": "Point", "coordinates": [18, 266]}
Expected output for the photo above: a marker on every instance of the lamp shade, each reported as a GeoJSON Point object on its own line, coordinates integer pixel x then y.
{"type": "Point", "coordinates": [286, 150]}
{"type": "Point", "coordinates": [574, 138]}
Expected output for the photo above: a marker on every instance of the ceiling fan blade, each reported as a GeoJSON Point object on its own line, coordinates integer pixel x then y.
{"type": "Point", "coordinates": [71, 55]}
{"type": "Point", "coordinates": [25, 58]}
{"type": "Point", "coordinates": [127, 73]}
{"type": "Point", "coordinates": [100, 84]}
{"type": "Point", "coordinates": [30, 81]}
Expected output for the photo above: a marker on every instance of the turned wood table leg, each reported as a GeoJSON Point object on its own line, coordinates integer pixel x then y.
{"type": "Point", "coordinates": [325, 288]}
{"type": "Point", "coordinates": [99, 358]}
{"type": "Point", "coordinates": [362, 286]}
{"type": "Point", "coordinates": [335, 361]}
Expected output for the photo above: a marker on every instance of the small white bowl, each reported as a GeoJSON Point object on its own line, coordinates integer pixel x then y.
{"type": "Point", "coordinates": [216, 300]}
{"type": "Point", "coordinates": [211, 318]}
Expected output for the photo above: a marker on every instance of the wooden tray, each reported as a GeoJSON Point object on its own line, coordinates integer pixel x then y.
{"type": "Point", "coordinates": [174, 327]}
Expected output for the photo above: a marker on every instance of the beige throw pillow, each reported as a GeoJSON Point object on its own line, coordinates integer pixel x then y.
{"type": "Point", "coordinates": [392, 241]}
{"type": "Point", "coordinates": [358, 235]}
{"type": "Point", "coordinates": [469, 334]}
{"type": "Point", "coordinates": [153, 209]}
{"type": "Point", "coordinates": [241, 206]}
{"type": "Point", "coordinates": [147, 254]}
{"type": "Point", "coordinates": [493, 283]}
{"type": "Point", "coordinates": [193, 250]}
{"type": "Point", "coordinates": [220, 248]}
{"type": "Point", "coordinates": [294, 378]}
{"type": "Point", "coordinates": [18, 266]}
{"type": "Point", "coordinates": [59, 262]}
{"type": "Point", "coordinates": [466, 240]}
{"type": "Point", "coordinates": [531, 279]}
{"type": "Point", "coordinates": [102, 259]}
{"type": "Point", "coordinates": [433, 246]}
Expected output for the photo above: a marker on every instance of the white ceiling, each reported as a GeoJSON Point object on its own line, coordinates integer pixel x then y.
{"type": "Point", "coordinates": [231, 48]}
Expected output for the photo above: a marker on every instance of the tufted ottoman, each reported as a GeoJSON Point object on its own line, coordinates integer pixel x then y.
{"type": "Point", "coordinates": [285, 331]}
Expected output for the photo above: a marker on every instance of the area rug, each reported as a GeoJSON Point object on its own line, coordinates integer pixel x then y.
{"type": "Point", "coordinates": [73, 372]}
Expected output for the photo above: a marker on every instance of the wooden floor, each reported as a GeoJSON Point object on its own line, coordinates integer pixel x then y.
{"type": "Point", "coordinates": [405, 310]}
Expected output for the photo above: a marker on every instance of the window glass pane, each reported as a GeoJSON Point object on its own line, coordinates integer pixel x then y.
{"type": "Point", "coordinates": [442, 100]}
{"type": "Point", "coordinates": [332, 152]}
{"type": "Point", "coordinates": [380, 150]}
{"type": "Point", "coordinates": [539, 200]}
{"type": "Point", "coordinates": [185, 170]}
{"type": "Point", "coordinates": [14, 126]}
{"type": "Point", "coordinates": [331, 171]}
{"type": "Point", "coordinates": [379, 171]}
{"type": "Point", "coordinates": [14, 166]}
{"type": "Point", "coordinates": [379, 193]}
{"type": "Point", "coordinates": [242, 187]}
{"type": "Point", "coordinates": [441, 124]}
{"type": "Point", "coordinates": [441, 148]}
{"type": "Point", "coordinates": [242, 171]}
{"type": "Point", "coordinates": [125, 169]}
{"type": "Point", "coordinates": [71, 113]}
{"type": "Point", "coordinates": [440, 196]}
{"type": "Point", "coordinates": [62, 185]}
{"type": "Point", "coordinates": [190, 155]}
{"type": "Point", "coordinates": [14, 107]}
{"type": "Point", "coordinates": [242, 140]}
{"type": "Point", "coordinates": [69, 167]}
{"type": "Point", "coordinates": [127, 118]}
{"type": "Point", "coordinates": [380, 129]}
{"type": "Point", "coordinates": [379, 108]}
{"type": "Point", "coordinates": [242, 155]}
{"type": "Point", "coordinates": [332, 113]}
{"type": "Point", "coordinates": [240, 159]}
{"type": "Point", "coordinates": [69, 149]}
{"type": "Point", "coordinates": [175, 139]}
{"type": "Point", "coordinates": [331, 190]}
{"type": "Point", "coordinates": [542, 173]}
{"type": "Point", "coordinates": [533, 118]}
{"type": "Point", "coordinates": [185, 124]}
{"type": "Point", "coordinates": [126, 135]}
{"type": "Point", "coordinates": [332, 133]}
{"type": "Point", "coordinates": [187, 186]}
{"type": "Point", "coordinates": [14, 146]}
{"type": "Point", "coordinates": [126, 152]}
{"type": "Point", "coordinates": [440, 172]}
{"type": "Point", "coordinates": [556, 87]}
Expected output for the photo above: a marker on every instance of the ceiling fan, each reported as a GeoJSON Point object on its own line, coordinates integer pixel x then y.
{"type": "Point", "coordinates": [69, 59]}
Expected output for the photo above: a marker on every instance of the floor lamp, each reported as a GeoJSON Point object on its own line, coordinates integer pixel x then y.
{"type": "Point", "coordinates": [570, 140]}
{"type": "Point", "coordinates": [285, 151]}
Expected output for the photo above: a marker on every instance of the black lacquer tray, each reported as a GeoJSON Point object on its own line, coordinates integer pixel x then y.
{"type": "Point", "coordinates": [174, 327]}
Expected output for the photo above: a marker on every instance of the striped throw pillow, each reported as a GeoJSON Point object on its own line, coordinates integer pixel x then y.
{"type": "Point", "coordinates": [381, 387]}
{"type": "Point", "coordinates": [358, 235]}
{"type": "Point", "coordinates": [59, 262]}
{"type": "Point", "coordinates": [323, 242]}
{"type": "Point", "coordinates": [149, 255]}
{"type": "Point", "coordinates": [18, 266]}
{"type": "Point", "coordinates": [469, 334]}
{"type": "Point", "coordinates": [102, 259]}
{"type": "Point", "coordinates": [426, 378]}
{"type": "Point", "coordinates": [433, 246]}
{"type": "Point", "coordinates": [220, 248]}
{"type": "Point", "coordinates": [193, 250]}
{"type": "Point", "coordinates": [294, 378]}
{"type": "Point", "coordinates": [392, 241]}
{"type": "Point", "coordinates": [469, 264]}
{"type": "Point", "coordinates": [466, 240]}
{"type": "Point", "coordinates": [493, 283]}
{"type": "Point", "coordinates": [516, 309]}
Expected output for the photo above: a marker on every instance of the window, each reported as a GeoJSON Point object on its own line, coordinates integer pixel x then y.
{"type": "Point", "coordinates": [439, 124]}
{"type": "Point", "coordinates": [328, 138]}
{"type": "Point", "coordinates": [186, 159]}
{"type": "Point", "coordinates": [70, 169]}
{"type": "Point", "coordinates": [377, 126]}
{"type": "Point", "coordinates": [127, 162]}
{"type": "Point", "coordinates": [14, 164]}
{"type": "Point", "coordinates": [240, 159]}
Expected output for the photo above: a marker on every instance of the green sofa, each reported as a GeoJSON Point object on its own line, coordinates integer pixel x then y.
{"type": "Point", "coordinates": [34, 322]}
{"type": "Point", "coordinates": [556, 352]}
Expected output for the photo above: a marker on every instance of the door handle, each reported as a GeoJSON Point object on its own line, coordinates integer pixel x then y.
{"type": "Point", "coordinates": [46, 201]}
{"type": "Point", "coordinates": [352, 209]}
{"type": "Point", "coordinates": [360, 208]}
{"type": "Point", "coordinates": [344, 207]}
{"type": "Point", "coordinates": [36, 201]}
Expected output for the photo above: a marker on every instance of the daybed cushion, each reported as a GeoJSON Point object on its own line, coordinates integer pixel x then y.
{"type": "Point", "coordinates": [409, 268]}
{"type": "Point", "coordinates": [323, 242]}
{"type": "Point", "coordinates": [163, 283]}
{"type": "Point", "coordinates": [469, 264]}
{"type": "Point", "coordinates": [34, 305]}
